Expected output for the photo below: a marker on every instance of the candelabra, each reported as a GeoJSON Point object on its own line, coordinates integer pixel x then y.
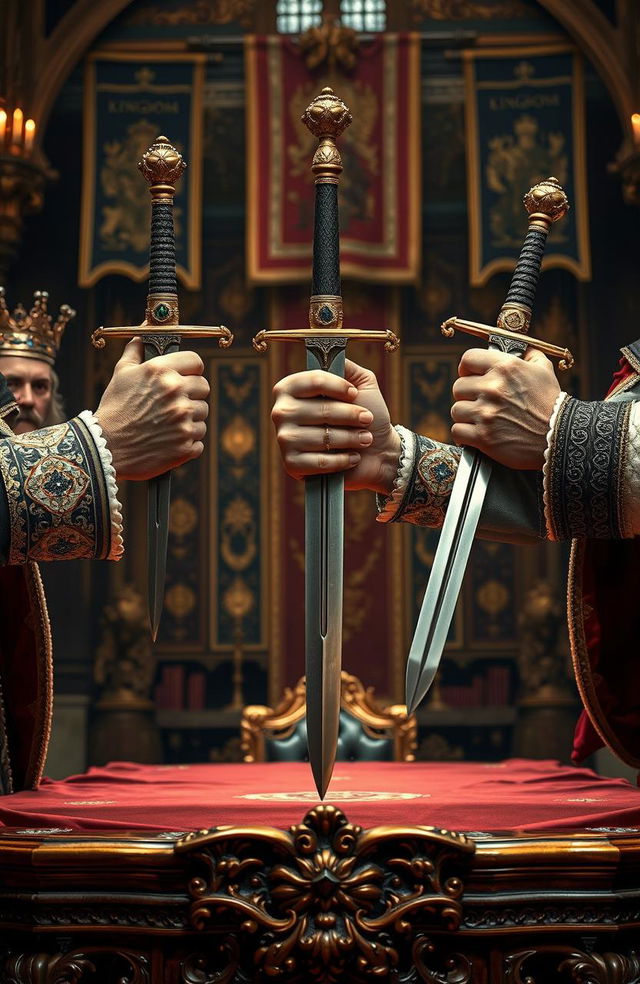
{"type": "Point", "coordinates": [22, 180]}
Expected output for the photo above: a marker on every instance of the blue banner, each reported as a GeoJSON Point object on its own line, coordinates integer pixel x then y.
{"type": "Point", "coordinates": [129, 102]}
{"type": "Point", "coordinates": [525, 122]}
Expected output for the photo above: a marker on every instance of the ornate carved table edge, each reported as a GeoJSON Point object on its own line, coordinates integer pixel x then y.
{"type": "Point", "coordinates": [323, 900]}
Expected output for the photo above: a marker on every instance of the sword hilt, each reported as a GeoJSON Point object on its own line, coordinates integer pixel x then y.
{"type": "Point", "coordinates": [546, 203]}
{"type": "Point", "coordinates": [326, 117]}
{"type": "Point", "coordinates": [162, 166]}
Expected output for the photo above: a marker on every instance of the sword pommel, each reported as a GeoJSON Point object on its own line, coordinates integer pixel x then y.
{"type": "Point", "coordinates": [162, 166]}
{"type": "Point", "coordinates": [546, 203]}
{"type": "Point", "coordinates": [326, 117]}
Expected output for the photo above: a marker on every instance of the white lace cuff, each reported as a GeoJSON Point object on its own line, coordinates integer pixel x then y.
{"type": "Point", "coordinates": [388, 504]}
{"type": "Point", "coordinates": [115, 509]}
{"type": "Point", "coordinates": [562, 396]}
{"type": "Point", "coordinates": [631, 476]}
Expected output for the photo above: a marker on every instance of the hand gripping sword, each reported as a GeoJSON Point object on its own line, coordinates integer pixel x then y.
{"type": "Point", "coordinates": [325, 341]}
{"type": "Point", "coordinates": [546, 203]}
{"type": "Point", "coordinates": [161, 334]}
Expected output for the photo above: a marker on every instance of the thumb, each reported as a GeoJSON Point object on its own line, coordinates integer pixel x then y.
{"type": "Point", "coordinates": [133, 354]}
{"type": "Point", "coordinates": [535, 355]}
{"type": "Point", "coordinates": [360, 377]}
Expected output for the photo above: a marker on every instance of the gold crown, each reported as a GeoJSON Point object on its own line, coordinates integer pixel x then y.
{"type": "Point", "coordinates": [34, 335]}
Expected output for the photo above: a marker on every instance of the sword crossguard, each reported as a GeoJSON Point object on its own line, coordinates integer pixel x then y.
{"type": "Point", "coordinates": [564, 356]}
{"type": "Point", "coordinates": [154, 334]}
{"type": "Point", "coordinates": [263, 338]}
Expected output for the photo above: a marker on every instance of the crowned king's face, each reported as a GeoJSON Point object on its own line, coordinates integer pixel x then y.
{"type": "Point", "coordinates": [31, 383]}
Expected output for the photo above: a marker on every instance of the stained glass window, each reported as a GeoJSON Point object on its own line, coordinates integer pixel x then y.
{"type": "Point", "coordinates": [364, 15]}
{"type": "Point", "coordinates": [295, 16]}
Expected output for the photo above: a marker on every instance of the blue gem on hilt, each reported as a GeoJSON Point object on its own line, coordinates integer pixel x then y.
{"type": "Point", "coordinates": [326, 315]}
{"type": "Point", "coordinates": [161, 311]}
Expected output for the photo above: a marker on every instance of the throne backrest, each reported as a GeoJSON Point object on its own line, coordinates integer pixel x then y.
{"type": "Point", "coordinates": [368, 730]}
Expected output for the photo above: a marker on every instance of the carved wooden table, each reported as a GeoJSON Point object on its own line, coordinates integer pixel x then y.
{"type": "Point", "coordinates": [322, 900]}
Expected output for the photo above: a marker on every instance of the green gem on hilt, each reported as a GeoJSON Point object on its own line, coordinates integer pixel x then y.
{"type": "Point", "coordinates": [161, 311]}
{"type": "Point", "coordinates": [325, 314]}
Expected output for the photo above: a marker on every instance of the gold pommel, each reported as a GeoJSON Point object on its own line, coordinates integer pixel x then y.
{"type": "Point", "coordinates": [326, 117]}
{"type": "Point", "coordinates": [546, 202]}
{"type": "Point", "coordinates": [162, 165]}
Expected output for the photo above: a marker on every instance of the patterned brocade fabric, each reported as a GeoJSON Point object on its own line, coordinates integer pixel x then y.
{"type": "Point", "coordinates": [584, 484]}
{"type": "Point", "coordinates": [57, 494]}
{"type": "Point", "coordinates": [423, 498]}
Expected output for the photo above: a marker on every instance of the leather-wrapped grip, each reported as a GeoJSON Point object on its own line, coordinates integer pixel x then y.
{"type": "Point", "coordinates": [326, 241]}
{"type": "Point", "coordinates": [524, 282]}
{"type": "Point", "coordinates": [162, 250]}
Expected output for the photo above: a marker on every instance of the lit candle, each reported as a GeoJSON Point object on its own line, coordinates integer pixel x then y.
{"type": "Point", "coordinates": [635, 123]}
{"type": "Point", "coordinates": [29, 134]}
{"type": "Point", "coordinates": [3, 129]}
{"type": "Point", "coordinates": [16, 130]}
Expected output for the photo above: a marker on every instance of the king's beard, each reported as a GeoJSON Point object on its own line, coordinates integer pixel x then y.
{"type": "Point", "coordinates": [27, 420]}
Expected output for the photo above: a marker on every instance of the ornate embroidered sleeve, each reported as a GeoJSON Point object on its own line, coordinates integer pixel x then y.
{"type": "Point", "coordinates": [588, 467]}
{"type": "Point", "coordinates": [426, 472]}
{"type": "Point", "coordinates": [61, 493]}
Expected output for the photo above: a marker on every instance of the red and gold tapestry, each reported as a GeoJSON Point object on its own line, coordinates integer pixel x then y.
{"type": "Point", "coordinates": [380, 186]}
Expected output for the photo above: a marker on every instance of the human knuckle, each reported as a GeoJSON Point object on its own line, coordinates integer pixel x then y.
{"type": "Point", "coordinates": [318, 378]}
{"type": "Point", "coordinates": [277, 414]}
{"type": "Point", "coordinates": [285, 435]}
{"type": "Point", "coordinates": [371, 376]}
{"type": "Point", "coordinates": [171, 383]}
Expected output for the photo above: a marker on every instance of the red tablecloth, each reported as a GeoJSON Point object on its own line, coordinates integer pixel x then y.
{"type": "Point", "coordinates": [512, 796]}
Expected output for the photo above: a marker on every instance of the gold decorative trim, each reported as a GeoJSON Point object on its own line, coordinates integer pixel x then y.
{"type": "Point", "coordinates": [325, 311]}
{"type": "Point", "coordinates": [260, 722]}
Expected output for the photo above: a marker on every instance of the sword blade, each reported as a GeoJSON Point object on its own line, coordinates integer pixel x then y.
{"type": "Point", "coordinates": [159, 503]}
{"type": "Point", "coordinates": [324, 535]}
{"type": "Point", "coordinates": [157, 543]}
{"type": "Point", "coordinates": [445, 579]}
{"type": "Point", "coordinates": [324, 564]}
{"type": "Point", "coordinates": [546, 202]}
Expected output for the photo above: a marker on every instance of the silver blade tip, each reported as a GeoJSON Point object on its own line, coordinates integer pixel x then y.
{"type": "Point", "coordinates": [322, 778]}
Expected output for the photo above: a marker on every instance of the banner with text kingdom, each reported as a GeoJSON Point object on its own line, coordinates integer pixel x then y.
{"type": "Point", "coordinates": [525, 122]}
{"type": "Point", "coordinates": [380, 187]}
{"type": "Point", "coordinates": [129, 102]}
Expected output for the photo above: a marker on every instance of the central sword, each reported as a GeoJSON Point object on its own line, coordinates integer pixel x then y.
{"type": "Point", "coordinates": [546, 203]}
{"type": "Point", "coordinates": [325, 341]}
{"type": "Point", "coordinates": [162, 166]}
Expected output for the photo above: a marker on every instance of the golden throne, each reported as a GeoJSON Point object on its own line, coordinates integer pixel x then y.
{"type": "Point", "coordinates": [369, 731]}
